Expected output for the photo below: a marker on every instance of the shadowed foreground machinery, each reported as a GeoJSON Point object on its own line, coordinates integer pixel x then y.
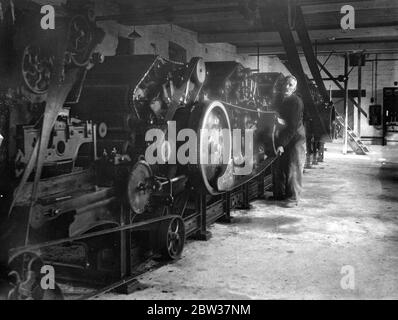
{"type": "Point", "coordinates": [85, 197]}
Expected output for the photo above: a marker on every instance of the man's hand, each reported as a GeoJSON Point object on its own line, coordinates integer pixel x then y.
{"type": "Point", "coordinates": [281, 121]}
{"type": "Point", "coordinates": [280, 151]}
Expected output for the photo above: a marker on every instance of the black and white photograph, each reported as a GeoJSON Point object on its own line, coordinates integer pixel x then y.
{"type": "Point", "coordinates": [198, 156]}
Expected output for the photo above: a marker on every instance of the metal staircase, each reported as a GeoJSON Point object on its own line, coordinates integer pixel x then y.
{"type": "Point", "coordinates": [353, 140]}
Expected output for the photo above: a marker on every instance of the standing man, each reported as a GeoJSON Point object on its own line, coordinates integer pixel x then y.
{"type": "Point", "coordinates": [290, 141]}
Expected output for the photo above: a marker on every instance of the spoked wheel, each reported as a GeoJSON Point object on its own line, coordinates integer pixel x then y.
{"type": "Point", "coordinates": [213, 128]}
{"type": "Point", "coordinates": [36, 69]}
{"type": "Point", "coordinates": [28, 282]}
{"type": "Point", "coordinates": [80, 37]}
{"type": "Point", "coordinates": [171, 238]}
{"type": "Point", "coordinates": [139, 189]}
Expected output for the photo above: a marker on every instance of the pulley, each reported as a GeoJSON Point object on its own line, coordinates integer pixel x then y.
{"type": "Point", "coordinates": [139, 187]}
{"type": "Point", "coordinates": [199, 73]}
{"type": "Point", "coordinates": [171, 238]}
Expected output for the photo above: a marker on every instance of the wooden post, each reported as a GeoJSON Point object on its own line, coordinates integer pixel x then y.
{"type": "Point", "coordinates": [226, 218]}
{"type": "Point", "coordinates": [345, 147]}
{"type": "Point", "coordinates": [261, 186]}
{"type": "Point", "coordinates": [201, 207]}
{"type": "Point", "coordinates": [125, 249]}
{"type": "Point", "coordinates": [246, 202]}
{"type": "Point", "coordinates": [359, 99]}
{"type": "Point", "coordinates": [258, 58]}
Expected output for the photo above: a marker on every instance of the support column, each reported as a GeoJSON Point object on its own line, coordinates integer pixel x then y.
{"type": "Point", "coordinates": [331, 77]}
{"type": "Point", "coordinates": [226, 218]}
{"type": "Point", "coordinates": [125, 249]}
{"type": "Point", "coordinates": [280, 21]}
{"type": "Point", "coordinates": [345, 147]}
{"type": "Point", "coordinates": [310, 56]}
{"type": "Point", "coordinates": [359, 100]}
{"type": "Point", "coordinates": [201, 207]}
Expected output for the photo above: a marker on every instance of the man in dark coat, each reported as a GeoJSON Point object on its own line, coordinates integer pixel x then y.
{"type": "Point", "coordinates": [290, 142]}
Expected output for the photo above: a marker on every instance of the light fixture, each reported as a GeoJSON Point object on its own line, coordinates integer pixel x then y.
{"type": "Point", "coordinates": [134, 35]}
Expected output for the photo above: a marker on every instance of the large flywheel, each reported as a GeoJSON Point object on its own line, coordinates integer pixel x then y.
{"type": "Point", "coordinates": [214, 145]}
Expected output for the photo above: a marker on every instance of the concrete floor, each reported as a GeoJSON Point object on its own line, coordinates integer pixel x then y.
{"type": "Point", "coordinates": [348, 217]}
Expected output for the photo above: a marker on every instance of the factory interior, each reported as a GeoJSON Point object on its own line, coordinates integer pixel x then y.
{"type": "Point", "coordinates": [142, 148]}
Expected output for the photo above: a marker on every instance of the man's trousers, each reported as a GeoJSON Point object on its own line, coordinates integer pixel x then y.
{"type": "Point", "coordinates": [287, 171]}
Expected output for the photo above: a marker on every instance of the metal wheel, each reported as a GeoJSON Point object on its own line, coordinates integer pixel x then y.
{"type": "Point", "coordinates": [80, 37]}
{"type": "Point", "coordinates": [214, 145]}
{"type": "Point", "coordinates": [139, 189]}
{"type": "Point", "coordinates": [199, 73]}
{"type": "Point", "coordinates": [36, 69]}
{"type": "Point", "coordinates": [172, 238]}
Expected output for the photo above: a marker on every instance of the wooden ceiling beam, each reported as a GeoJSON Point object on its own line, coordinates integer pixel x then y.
{"type": "Point", "coordinates": [240, 37]}
{"type": "Point", "coordinates": [273, 37]}
{"type": "Point", "coordinates": [184, 5]}
{"type": "Point", "coordinates": [363, 18]}
{"type": "Point", "coordinates": [176, 3]}
{"type": "Point", "coordinates": [167, 16]}
{"type": "Point", "coordinates": [325, 48]}
{"type": "Point", "coordinates": [315, 2]}
{"type": "Point", "coordinates": [358, 5]}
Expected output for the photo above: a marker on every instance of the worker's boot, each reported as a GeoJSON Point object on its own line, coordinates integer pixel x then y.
{"type": "Point", "coordinates": [315, 158]}
{"type": "Point", "coordinates": [276, 198]}
{"type": "Point", "coordinates": [290, 203]}
{"type": "Point", "coordinates": [321, 153]}
{"type": "Point", "coordinates": [308, 161]}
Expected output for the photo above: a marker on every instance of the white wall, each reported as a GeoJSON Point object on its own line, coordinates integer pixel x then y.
{"type": "Point", "coordinates": [266, 64]}
{"type": "Point", "coordinates": [387, 74]}
{"type": "Point", "coordinates": [160, 35]}
{"type": "Point", "coordinates": [155, 40]}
